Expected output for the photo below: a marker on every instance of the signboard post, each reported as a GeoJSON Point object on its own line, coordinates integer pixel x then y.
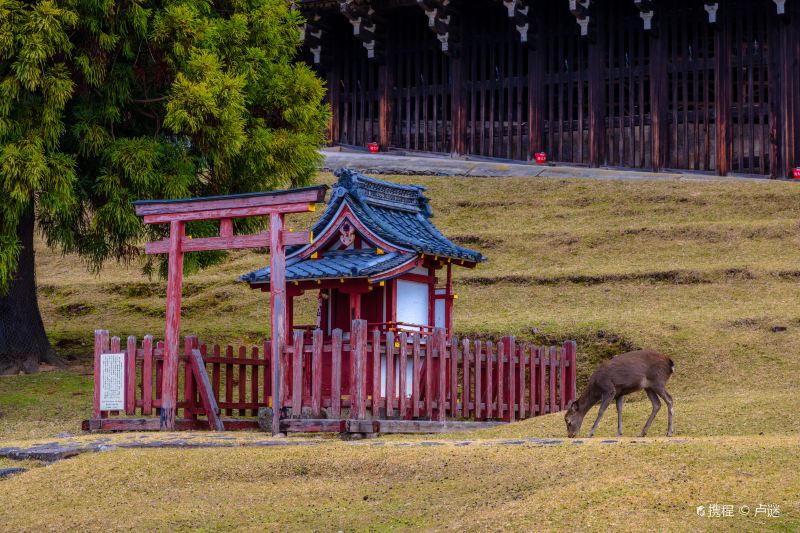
{"type": "Point", "coordinates": [112, 382]}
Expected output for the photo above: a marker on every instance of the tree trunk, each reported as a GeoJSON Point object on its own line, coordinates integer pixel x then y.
{"type": "Point", "coordinates": [23, 342]}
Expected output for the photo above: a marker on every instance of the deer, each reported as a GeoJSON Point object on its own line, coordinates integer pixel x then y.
{"type": "Point", "coordinates": [624, 374]}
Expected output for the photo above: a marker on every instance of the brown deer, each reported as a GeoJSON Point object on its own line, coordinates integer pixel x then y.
{"type": "Point", "coordinates": [618, 377]}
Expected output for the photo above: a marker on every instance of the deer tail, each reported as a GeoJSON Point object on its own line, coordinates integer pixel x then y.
{"type": "Point", "coordinates": [671, 366]}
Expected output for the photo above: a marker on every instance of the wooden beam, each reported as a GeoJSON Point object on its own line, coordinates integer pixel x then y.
{"type": "Point", "coordinates": [536, 104]}
{"type": "Point", "coordinates": [169, 385]}
{"type": "Point", "coordinates": [277, 300]}
{"type": "Point", "coordinates": [597, 92]}
{"type": "Point", "coordinates": [659, 101]}
{"type": "Point", "coordinates": [431, 426]}
{"type": "Point", "coordinates": [206, 392]}
{"type": "Point", "coordinates": [304, 196]}
{"type": "Point", "coordinates": [459, 106]}
{"type": "Point", "coordinates": [236, 212]}
{"type": "Point", "coordinates": [313, 426]}
{"type": "Point", "coordinates": [236, 242]}
{"type": "Point", "coordinates": [722, 89]}
{"type": "Point", "coordinates": [385, 125]}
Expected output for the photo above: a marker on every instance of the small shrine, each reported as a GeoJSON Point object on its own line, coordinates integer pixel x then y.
{"type": "Point", "coordinates": [375, 255]}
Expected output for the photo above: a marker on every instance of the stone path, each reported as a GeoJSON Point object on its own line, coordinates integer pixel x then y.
{"type": "Point", "coordinates": [69, 447]}
{"type": "Point", "coordinates": [423, 165]}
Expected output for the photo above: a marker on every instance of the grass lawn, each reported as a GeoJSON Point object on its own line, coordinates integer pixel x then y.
{"type": "Point", "coordinates": [706, 271]}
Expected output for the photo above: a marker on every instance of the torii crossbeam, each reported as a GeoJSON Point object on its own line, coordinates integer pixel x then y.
{"type": "Point", "coordinates": [177, 213]}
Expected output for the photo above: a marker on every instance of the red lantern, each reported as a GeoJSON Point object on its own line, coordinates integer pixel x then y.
{"type": "Point", "coordinates": [374, 148]}
{"type": "Point", "coordinates": [541, 158]}
{"type": "Point", "coordinates": [796, 173]}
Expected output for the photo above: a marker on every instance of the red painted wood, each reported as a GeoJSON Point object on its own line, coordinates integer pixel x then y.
{"type": "Point", "coordinates": [254, 377]}
{"type": "Point", "coordinates": [521, 400]}
{"type": "Point", "coordinates": [490, 363]}
{"type": "Point", "coordinates": [465, 379]}
{"type": "Point", "coordinates": [241, 382]}
{"type": "Point", "coordinates": [571, 347]}
{"type": "Point", "coordinates": [316, 373]}
{"type": "Point", "coordinates": [130, 377]}
{"type": "Point", "coordinates": [267, 374]}
{"type": "Point", "coordinates": [277, 261]}
{"type": "Point", "coordinates": [305, 196]}
{"type": "Point", "coordinates": [215, 370]}
{"type": "Point", "coordinates": [147, 375]}
{"type": "Point", "coordinates": [358, 340]}
{"type": "Point", "coordinates": [159, 373]}
{"type": "Point", "coordinates": [169, 386]}
{"type": "Point", "coordinates": [561, 378]}
{"type": "Point", "coordinates": [297, 373]}
{"type": "Point", "coordinates": [189, 391]}
{"type": "Point", "coordinates": [376, 372]}
{"type": "Point", "coordinates": [207, 398]}
{"type": "Point", "coordinates": [532, 379]}
{"type": "Point", "coordinates": [98, 350]}
{"type": "Point", "coordinates": [115, 348]}
{"type": "Point", "coordinates": [403, 366]}
{"type": "Point", "coordinates": [452, 365]}
{"type": "Point", "coordinates": [336, 372]}
{"type": "Point", "coordinates": [428, 369]}
{"type": "Point", "coordinates": [226, 227]}
{"type": "Point", "coordinates": [416, 375]}
{"type": "Point", "coordinates": [390, 380]}
{"type": "Point", "coordinates": [510, 348]}
{"type": "Point", "coordinates": [440, 340]}
{"type": "Point", "coordinates": [229, 377]}
{"type": "Point", "coordinates": [552, 390]}
{"type": "Point", "coordinates": [478, 380]}
{"type": "Point", "coordinates": [237, 242]}
{"type": "Point", "coordinates": [542, 380]}
{"type": "Point", "coordinates": [313, 426]}
{"type": "Point", "coordinates": [501, 377]}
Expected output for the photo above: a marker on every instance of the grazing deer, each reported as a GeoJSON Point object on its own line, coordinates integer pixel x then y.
{"type": "Point", "coordinates": [622, 375]}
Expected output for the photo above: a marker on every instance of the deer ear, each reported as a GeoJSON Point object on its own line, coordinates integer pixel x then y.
{"type": "Point", "coordinates": [569, 404]}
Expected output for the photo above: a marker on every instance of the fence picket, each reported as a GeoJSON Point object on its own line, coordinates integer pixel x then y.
{"type": "Point", "coordinates": [552, 376]}
{"type": "Point", "coordinates": [376, 372]}
{"type": "Point", "coordinates": [465, 392]}
{"type": "Point", "coordinates": [147, 375]}
{"type": "Point", "coordinates": [297, 373]}
{"type": "Point", "coordinates": [389, 374]}
{"type": "Point", "coordinates": [542, 370]}
{"type": "Point", "coordinates": [501, 355]}
{"type": "Point", "coordinates": [316, 373]}
{"type": "Point", "coordinates": [416, 378]}
{"type": "Point", "coordinates": [358, 342]}
{"type": "Point", "coordinates": [441, 346]}
{"type": "Point", "coordinates": [489, 379]}
{"type": "Point", "coordinates": [229, 379]}
{"type": "Point", "coordinates": [561, 375]}
{"type": "Point", "coordinates": [254, 379]}
{"type": "Point", "coordinates": [130, 377]}
{"type": "Point", "coordinates": [336, 372]}
{"type": "Point", "coordinates": [453, 370]}
{"type": "Point", "coordinates": [403, 405]}
{"type": "Point", "coordinates": [521, 380]}
{"type": "Point", "coordinates": [242, 381]}
{"type": "Point", "coordinates": [478, 384]}
{"type": "Point", "coordinates": [532, 379]}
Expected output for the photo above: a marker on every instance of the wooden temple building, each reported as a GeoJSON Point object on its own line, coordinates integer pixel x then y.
{"type": "Point", "coordinates": [375, 256]}
{"type": "Point", "coordinates": [649, 84]}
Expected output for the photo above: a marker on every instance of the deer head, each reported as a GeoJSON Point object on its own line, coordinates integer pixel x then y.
{"type": "Point", "coordinates": [574, 418]}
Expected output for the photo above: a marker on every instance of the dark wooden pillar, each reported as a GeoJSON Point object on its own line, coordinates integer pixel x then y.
{"type": "Point", "coordinates": [535, 99]}
{"type": "Point", "coordinates": [722, 89]}
{"type": "Point", "coordinates": [597, 86]}
{"type": "Point", "coordinates": [793, 60]}
{"type": "Point", "coordinates": [659, 104]}
{"type": "Point", "coordinates": [783, 64]}
{"type": "Point", "coordinates": [385, 115]}
{"type": "Point", "coordinates": [458, 105]}
{"type": "Point", "coordinates": [334, 89]}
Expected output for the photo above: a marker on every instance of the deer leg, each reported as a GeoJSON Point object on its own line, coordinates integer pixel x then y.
{"type": "Point", "coordinates": [619, 415]}
{"type": "Point", "coordinates": [668, 400]}
{"type": "Point", "coordinates": [603, 406]}
{"type": "Point", "coordinates": [656, 406]}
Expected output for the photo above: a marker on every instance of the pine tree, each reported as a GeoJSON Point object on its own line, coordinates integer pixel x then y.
{"type": "Point", "coordinates": [103, 102]}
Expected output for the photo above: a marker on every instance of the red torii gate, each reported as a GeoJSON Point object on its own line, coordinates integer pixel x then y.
{"type": "Point", "coordinates": [177, 213]}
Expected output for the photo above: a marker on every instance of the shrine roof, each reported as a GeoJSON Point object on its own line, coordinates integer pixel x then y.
{"type": "Point", "coordinates": [399, 214]}
{"type": "Point", "coordinates": [335, 264]}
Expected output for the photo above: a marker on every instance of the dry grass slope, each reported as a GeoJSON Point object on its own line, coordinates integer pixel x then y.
{"type": "Point", "coordinates": [706, 271]}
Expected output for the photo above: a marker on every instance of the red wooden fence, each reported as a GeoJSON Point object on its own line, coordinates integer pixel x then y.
{"type": "Point", "coordinates": [398, 377]}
